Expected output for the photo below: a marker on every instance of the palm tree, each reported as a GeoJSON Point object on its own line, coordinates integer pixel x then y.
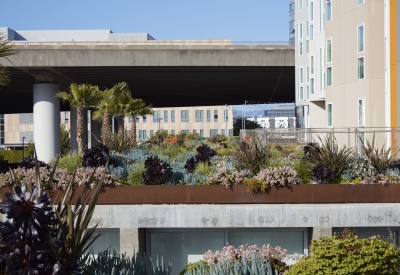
{"type": "Point", "coordinates": [81, 97]}
{"type": "Point", "coordinates": [123, 103]}
{"type": "Point", "coordinates": [104, 109]}
{"type": "Point", "coordinates": [6, 49]}
{"type": "Point", "coordinates": [138, 107]}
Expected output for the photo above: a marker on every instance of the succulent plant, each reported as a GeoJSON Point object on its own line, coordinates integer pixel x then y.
{"type": "Point", "coordinates": [157, 171]}
{"type": "Point", "coordinates": [29, 162]}
{"type": "Point", "coordinates": [322, 174]}
{"type": "Point", "coordinates": [205, 153]}
{"type": "Point", "coordinates": [191, 164]}
{"type": "Point", "coordinates": [361, 167]}
{"type": "Point", "coordinates": [96, 156]}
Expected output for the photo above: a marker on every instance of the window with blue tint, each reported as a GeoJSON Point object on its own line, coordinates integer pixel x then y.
{"type": "Point", "coordinates": [215, 115]}
{"type": "Point", "coordinates": [328, 11]}
{"type": "Point", "coordinates": [172, 116]}
{"type": "Point", "coordinates": [208, 115]}
{"type": "Point", "coordinates": [185, 116]}
{"type": "Point", "coordinates": [165, 116]}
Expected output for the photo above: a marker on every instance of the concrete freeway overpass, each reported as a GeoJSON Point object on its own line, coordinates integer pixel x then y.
{"type": "Point", "coordinates": [164, 73]}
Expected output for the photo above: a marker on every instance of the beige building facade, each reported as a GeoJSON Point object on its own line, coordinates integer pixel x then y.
{"type": "Point", "coordinates": [342, 49]}
{"type": "Point", "coordinates": [204, 120]}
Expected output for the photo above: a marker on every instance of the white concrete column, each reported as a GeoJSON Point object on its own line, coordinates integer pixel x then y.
{"type": "Point", "coordinates": [321, 231]}
{"type": "Point", "coordinates": [46, 121]}
{"type": "Point", "coordinates": [74, 141]}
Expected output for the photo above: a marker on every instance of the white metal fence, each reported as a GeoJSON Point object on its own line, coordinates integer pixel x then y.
{"type": "Point", "coordinates": [349, 137]}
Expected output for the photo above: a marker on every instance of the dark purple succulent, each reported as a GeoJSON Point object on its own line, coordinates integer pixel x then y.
{"type": "Point", "coordinates": [191, 164]}
{"type": "Point", "coordinates": [32, 217]}
{"type": "Point", "coordinates": [30, 162]}
{"type": "Point", "coordinates": [25, 261]}
{"type": "Point", "coordinates": [157, 171]}
{"type": "Point", "coordinates": [205, 153]}
{"type": "Point", "coordinates": [310, 148]}
{"type": "Point", "coordinates": [322, 174]}
{"type": "Point", "coordinates": [96, 156]}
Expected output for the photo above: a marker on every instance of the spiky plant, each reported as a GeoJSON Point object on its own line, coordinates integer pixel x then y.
{"type": "Point", "coordinates": [380, 158]}
{"type": "Point", "coordinates": [328, 154]}
{"type": "Point", "coordinates": [6, 49]}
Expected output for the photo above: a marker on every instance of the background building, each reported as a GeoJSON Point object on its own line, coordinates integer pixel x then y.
{"type": "Point", "coordinates": [341, 64]}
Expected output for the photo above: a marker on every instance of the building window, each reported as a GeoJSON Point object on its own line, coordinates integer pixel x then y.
{"type": "Point", "coordinates": [156, 116]}
{"type": "Point", "coordinates": [308, 74]}
{"type": "Point", "coordinates": [360, 38]}
{"type": "Point", "coordinates": [307, 29]}
{"type": "Point", "coordinates": [301, 75]}
{"type": "Point", "coordinates": [311, 32]}
{"type": "Point", "coordinates": [199, 116]}
{"type": "Point", "coordinates": [173, 132]}
{"type": "Point", "coordinates": [361, 68]}
{"type": "Point", "coordinates": [301, 48]}
{"type": "Point", "coordinates": [312, 85]}
{"type": "Point", "coordinates": [129, 119]}
{"type": "Point", "coordinates": [329, 50]}
{"type": "Point", "coordinates": [301, 30]}
{"type": "Point", "coordinates": [151, 133]}
{"type": "Point", "coordinates": [185, 131]}
{"type": "Point", "coordinates": [321, 74]}
{"type": "Point", "coordinates": [108, 239]}
{"type": "Point", "coordinates": [172, 116]}
{"type": "Point", "coordinates": [215, 115]}
{"type": "Point", "coordinates": [329, 76]}
{"type": "Point", "coordinates": [128, 132]}
{"type": "Point", "coordinates": [144, 119]}
{"type": "Point", "coordinates": [213, 132]}
{"type": "Point", "coordinates": [165, 116]}
{"type": "Point", "coordinates": [226, 115]}
{"type": "Point", "coordinates": [208, 115]}
{"type": "Point", "coordinates": [142, 135]}
{"type": "Point", "coordinates": [185, 116]}
{"type": "Point", "coordinates": [307, 47]}
{"type": "Point", "coordinates": [312, 11]}
{"type": "Point", "coordinates": [321, 15]}
{"type": "Point", "coordinates": [307, 93]}
{"type": "Point", "coordinates": [312, 64]}
{"type": "Point", "coordinates": [201, 132]}
{"type": "Point", "coordinates": [137, 118]}
{"type": "Point", "coordinates": [328, 11]}
{"type": "Point", "coordinates": [223, 132]}
{"type": "Point", "coordinates": [28, 136]}
{"type": "Point", "coordinates": [361, 112]}
{"type": "Point", "coordinates": [230, 132]}
{"type": "Point", "coordinates": [25, 118]}
{"type": "Point", "coordinates": [360, 2]}
{"type": "Point", "coordinates": [299, 5]}
{"type": "Point", "coordinates": [301, 93]}
{"type": "Point", "coordinates": [330, 114]}
{"type": "Point", "coordinates": [66, 117]}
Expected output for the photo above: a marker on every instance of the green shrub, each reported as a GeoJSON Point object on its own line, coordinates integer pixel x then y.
{"type": "Point", "coordinates": [349, 254]}
{"type": "Point", "coordinates": [69, 161]}
{"type": "Point", "coordinates": [135, 174]}
{"type": "Point", "coordinates": [204, 169]}
{"type": "Point", "coordinates": [118, 142]}
{"type": "Point", "coordinates": [13, 156]}
{"type": "Point", "coordinates": [65, 140]}
{"type": "Point", "coordinates": [217, 138]}
{"type": "Point", "coordinates": [303, 169]}
{"type": "Point", "coordinates": [193, 268]}
{"type": "Point", "coordinates": [224, 152]}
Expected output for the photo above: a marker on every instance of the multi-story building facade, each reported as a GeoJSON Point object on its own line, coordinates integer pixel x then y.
{"type": "Point", "coordinates": [343, 54]}
{"type": "Point", "coordinates": [206, 121]}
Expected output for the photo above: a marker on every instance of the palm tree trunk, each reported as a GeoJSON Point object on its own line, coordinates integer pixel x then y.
{"type": "Point", "coordinates": [121, 126]}
{"type": "Point", "coordinates": [133, 128]}
{"type": "Point", "coordinates": [79, 127]}
{"type": "Point", "coordinates": [106, 125]}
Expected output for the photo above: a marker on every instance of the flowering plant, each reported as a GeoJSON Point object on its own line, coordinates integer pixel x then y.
{"type": "Point", "coordinates": [275, 256]}
{"type": "Point", "coordinates": [227, 178]}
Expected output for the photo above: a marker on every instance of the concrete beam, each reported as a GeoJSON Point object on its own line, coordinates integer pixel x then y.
{"type": "Point", "coordinates": [238, 216]}
{"type": "Point", "coordinates": [149, 55]}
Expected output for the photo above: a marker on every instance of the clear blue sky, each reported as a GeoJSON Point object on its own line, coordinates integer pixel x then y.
{"type": "Point", "coordinates": [239, 20]}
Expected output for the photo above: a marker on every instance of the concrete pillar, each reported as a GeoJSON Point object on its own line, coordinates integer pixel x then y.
{"type": "Point", "coordinates": [74, 141]}
{"type": "Point", "coordinates": [46, 121]}
{"type": "Point", "coordinates": [321, 231]}
{"type": "Point", "coordinates": [132, 241]}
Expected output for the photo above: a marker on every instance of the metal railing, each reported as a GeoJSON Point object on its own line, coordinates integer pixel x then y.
{"type": "Point", "coordinates": [349, 137]}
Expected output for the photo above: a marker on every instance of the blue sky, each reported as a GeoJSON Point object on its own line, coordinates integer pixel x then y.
{"type": "Point", "coordinates": [239, 20]}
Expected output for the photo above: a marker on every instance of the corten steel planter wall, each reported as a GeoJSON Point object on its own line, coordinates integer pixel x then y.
{"type": "Point", "coordinates": [310, 193]}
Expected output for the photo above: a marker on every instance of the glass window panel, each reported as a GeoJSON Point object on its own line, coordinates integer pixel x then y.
{"type": "Point", "coordinates": [307, 47]}
{"type": "Point", "coordinates": [328, 11]}
{"type": "Point", "coordinates": [172, 116]}
{"type": "Point", "coordinates": [360, 2]}
{"type": "Point", "coordinates": [361, 68]}
{"type": "Point", "coordinates": [208, 115]}
{"type": "Point", "coordinates": [108, 239]}
{"type": "Point", "coordinates": [180, 248]}
{"type": "Point", "coordinates": [329, 114]}
{"type": "Point", "coordinates": [360, 112]}
{"type": "Point", "coordinates": [293, 241]}
{"type": "Point", "coordinates": [329, 50]}
{"type": "Point", "coordinates": [312, 64]}
{"type": "Point", "coordinates": [312, 11]}
{"type": "Point", "coordinates": [165, 116]}
{"type": "Point", "coordinates": [185, 116]}
{"type": "Point", "coordinates": [329, 76]}
{"type": "Point", "coordinates": [301, 48]}
{"type": "Point", "coordinates": [215, 115]}
{"type": "Point", "coordinates": [361, 38]}
{"type": "Point", "coordinates": [201, 133]}
{"type": "Point", "coordinates": [311, 32]}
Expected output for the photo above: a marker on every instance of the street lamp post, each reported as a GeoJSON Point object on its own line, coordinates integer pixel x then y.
{"type": "Point", "coordinates": [23, 148]}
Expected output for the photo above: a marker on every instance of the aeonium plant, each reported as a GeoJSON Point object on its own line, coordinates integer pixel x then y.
{"type": "Point", "coordinates": [36, 239]}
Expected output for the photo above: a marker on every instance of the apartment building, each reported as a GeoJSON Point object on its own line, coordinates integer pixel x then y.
{"type": "Point", "coordinates": [345, 50]}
